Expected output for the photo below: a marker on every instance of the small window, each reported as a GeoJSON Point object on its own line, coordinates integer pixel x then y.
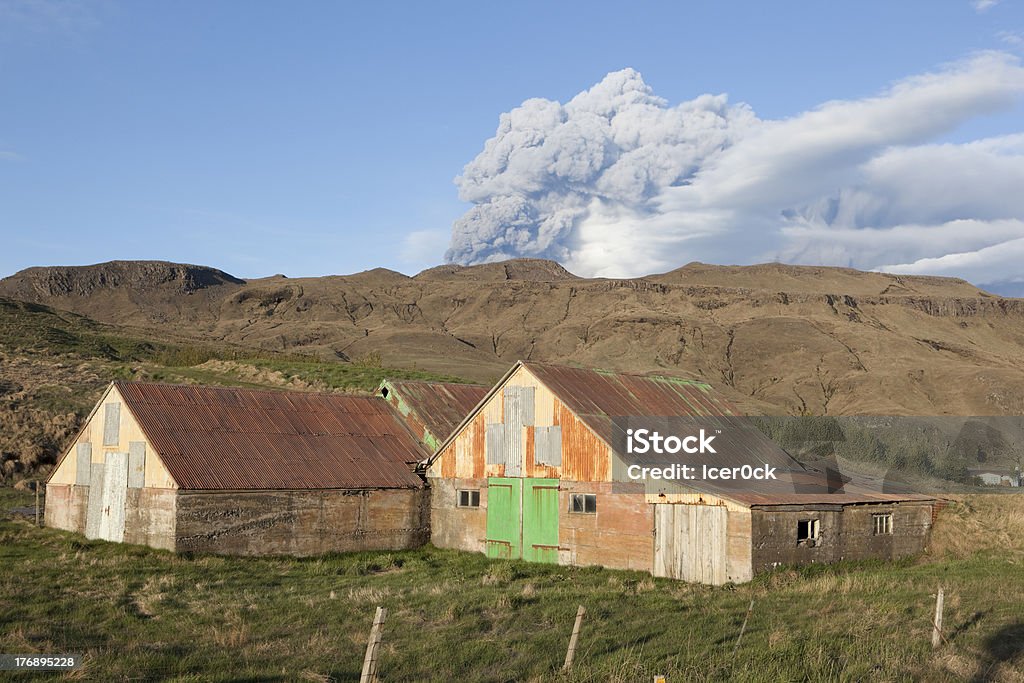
{"type": "Point", "coordinates": [585, 503]}
{"type": "Point", "coordinates": [882, 524]}
{"type": "Point", "coordinates": [469, 498]}
{"type": "Point", "coordinates": [807, 532]}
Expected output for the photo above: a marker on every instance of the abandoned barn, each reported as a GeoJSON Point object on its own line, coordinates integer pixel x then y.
{"type": "Point", "coordinates": [528, 469]}
{"type": "Point", "coordinates": [244, 472]}
{"type": "Point", "coordinates": [532, 473]}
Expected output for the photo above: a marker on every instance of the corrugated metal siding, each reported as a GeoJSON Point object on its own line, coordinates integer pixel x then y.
{"type": "Point", "coordinates": [519, 405]}
{"type": "Point", "coordinates": [495, 444]}
{"type": "Point", "coordinates": [548, 446]}
{"type": "Point", "coordinates": [596, 396]}
{"type": "Point", "coordinates": [583, 454]}
{"type": "Point", "coordinates": [218, 438]}
{"type": "Point", "coordinates": [518, 414]}
{"type": "Point", "coordinates": [585, 457]}
{"type": "Point", "coordinates": [433, 409]}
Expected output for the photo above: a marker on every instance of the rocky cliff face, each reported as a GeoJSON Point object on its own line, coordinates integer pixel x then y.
{"type": "Point", "coordinates": [55, 282]}
{"type": "Point", "coordinates": [776, 338]}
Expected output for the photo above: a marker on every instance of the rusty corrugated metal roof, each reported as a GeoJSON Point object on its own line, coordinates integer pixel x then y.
{"type": "Point", "coordinates": [438, 406]}
{"type": "Point", "coordinates": [601, 392]}
{"type": "Point", "coordinates": [225, 438]}
{"type": "Point", "coordinates": [599, 396]}
{"type": "Point", "coordinates": [596, 396]}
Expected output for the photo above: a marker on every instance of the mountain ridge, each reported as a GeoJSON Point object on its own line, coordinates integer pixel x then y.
{"type": "Point", "coordinates": [776, 337]}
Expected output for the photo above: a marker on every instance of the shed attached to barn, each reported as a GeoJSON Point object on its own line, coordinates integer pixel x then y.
{"type": "Point", "coordinates": [533, 473]}
{"type": "Point", "coordinates": [432, 410]}
{"type": "Point", "coordinates": [239, 471]}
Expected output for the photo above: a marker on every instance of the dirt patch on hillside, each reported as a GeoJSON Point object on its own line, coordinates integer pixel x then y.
{"type": "Point", "coordinates": [262, 376]}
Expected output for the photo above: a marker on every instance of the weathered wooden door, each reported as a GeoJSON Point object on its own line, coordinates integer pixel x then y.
{"type": "Point", "coordinates": [115, 493]}
{"type": "Point", "coordinates": [540, 520]}
{"type": "Point", "coordinates": [108, 491]}
{"type": "Point", "coordinates": [690, 542]}
{"type": "Point", "coordinates": [504, 517]}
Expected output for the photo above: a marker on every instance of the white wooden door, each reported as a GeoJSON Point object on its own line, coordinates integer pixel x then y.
{"type": "Point", "coordinates": [115, 492]}
{"type": "Point", "coordinates": [690, 542]}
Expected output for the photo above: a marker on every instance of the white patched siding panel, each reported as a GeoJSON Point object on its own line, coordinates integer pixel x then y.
{"type": "Point", "coordinates": [83, 464]}
{"type": "Point", "coordinates": [136, 464]}
{"type": "Point", "coordinates": [548, 446]}
{"type": "Point", "coordinates": [111, 424]}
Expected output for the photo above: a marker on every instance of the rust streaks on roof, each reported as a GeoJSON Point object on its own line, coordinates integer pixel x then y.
{"type": "Point", "coordinates": [222, 438]}
{"type": "Point", "coordinates": [596, 396]}
{"type": "Point", "coordinates": [439, 407]}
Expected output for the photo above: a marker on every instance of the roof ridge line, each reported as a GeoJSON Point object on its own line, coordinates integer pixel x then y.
{"type": "Point", "coordinates": [605, 371]}
{"type": "Point", "coordinates": [266, 390]}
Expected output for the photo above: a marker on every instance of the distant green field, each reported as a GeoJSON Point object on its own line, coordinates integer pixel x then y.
{"type": "Point", "coordinates": [337, 375]}
{"type": "Point", "coordinates": [140, 614]}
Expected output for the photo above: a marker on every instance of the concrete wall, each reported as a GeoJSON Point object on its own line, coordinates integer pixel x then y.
{"type": "Point", "coordinates": [454, 527]}
{"type": "Point", "coordinates": [846, 533]}
{"type": "Point", "coordinates": [301, 523]}
{"type": "Point", "coordinates": [150, 517]}
{"type": "Point", "coordinates": [66, 506]}
{"type": "Point", "coordinates": [149, 513]}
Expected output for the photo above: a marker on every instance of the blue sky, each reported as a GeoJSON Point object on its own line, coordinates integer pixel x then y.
{"type": "Point", "coordinates": [315, 138]}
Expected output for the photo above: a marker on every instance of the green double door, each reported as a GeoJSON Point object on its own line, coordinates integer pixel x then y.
{"type": "Point", "coordinates": [522, 519]}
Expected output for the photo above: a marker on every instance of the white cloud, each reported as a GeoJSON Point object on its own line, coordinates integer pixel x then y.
{"type": "Point", "coordinates": [1011, 38]}
{"type": "Point", "coordinates": [996, 263]}
{"type": "Point", "coordinates": [984, 5]}
{"type": "Point", "coordinates": [618, 183]}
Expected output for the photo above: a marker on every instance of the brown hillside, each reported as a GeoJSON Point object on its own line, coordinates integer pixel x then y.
{"type": "Point", "coordinates": [773, 337]}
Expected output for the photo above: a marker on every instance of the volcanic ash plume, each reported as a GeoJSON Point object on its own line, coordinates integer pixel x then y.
{"type": "Point", "coordinates": [616, 144]}
{"type": "Point", "coordinates": [618, 183]}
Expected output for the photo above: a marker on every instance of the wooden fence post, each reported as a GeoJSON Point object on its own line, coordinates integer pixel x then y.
{"type": "Point", "coordinates": [570, 654]}
{"type": "Point", "coordinates": [937, 631]}
{"type": "Point", "coordinates": [743, 628]}
{"type": "Point", "coordinates": [370, 661]}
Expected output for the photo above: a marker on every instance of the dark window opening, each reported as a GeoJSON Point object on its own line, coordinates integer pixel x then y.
{"type": "Point", "coordinates": [585, 503]}
{"type": "Point", "coordinates": [807, 532]}
{"type": "Point", "coordinates": [384, 392]}
{"type": "Point", "coordinates": [469, 498]}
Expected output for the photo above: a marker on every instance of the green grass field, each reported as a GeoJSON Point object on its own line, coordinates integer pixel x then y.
{"type": "Point", "coordinates": [141, 614]}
